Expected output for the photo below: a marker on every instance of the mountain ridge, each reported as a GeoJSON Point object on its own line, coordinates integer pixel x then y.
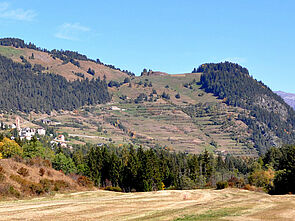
{"type": "Point", "coordinates": [288, 97]}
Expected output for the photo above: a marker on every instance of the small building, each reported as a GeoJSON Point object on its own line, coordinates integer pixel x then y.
{"type": "Point", "coordinates": [27, 133]}
{"type": "Point", "coordinates": [60, 138]}
{"type": "Point", "coordinates": [46, 121]}
{"type": "Point", "coordinates": [115, 108]}
{"type": "Point", "coordinates": [41, 131]}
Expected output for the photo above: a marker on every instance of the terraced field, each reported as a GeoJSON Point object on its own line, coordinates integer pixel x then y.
{"type": "Point", "coordinates": [228, 204]}
{"type": "Point", "coordinates": [164, 123]}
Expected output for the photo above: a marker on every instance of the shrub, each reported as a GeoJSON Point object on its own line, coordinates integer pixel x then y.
{"type": "Point", "coordinates": [36, 188]}
{"type": "Point", "coordinates": [23, 171]}
{"type": "Point", "coordinates": [249, 187]}
{"type": "Point", "coordinates": [84, 181]}
{"type": "Point", "coordinates": [113, 188]}
{"type": "Point", "coordinates": [18, 158]}
{"type": "Point", "coordinates": [19, 180]}
{"type": "Point", "coordinates": [13, 191]}
{"type": "Point", "coordinates": [262, 178]}
{"type": "Point", "coordinates": [41, 171]}
{"type": "Point", "coordinates": [60, 185]}
{"type": "Point", "coordinates": [2, 177]}
{"type": "Point", "coordinates": [9, 190]}
{"type": "Point", "coordinates": [221, 185]}
{"type": "Point", "coordinates": [39, 162]}
{"type": "Point", "coordinates": [49, 173]}
{"type": "Point", "coordinates": [47, 185]}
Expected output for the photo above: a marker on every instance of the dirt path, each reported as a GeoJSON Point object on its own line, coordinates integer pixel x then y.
{"type": "Point", "coordinates": [229, 204]}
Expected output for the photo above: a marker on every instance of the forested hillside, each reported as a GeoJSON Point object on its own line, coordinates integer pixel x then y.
{"type": "Point", "coordinates": [271, 119]}
{"type": "Point", "coordinates": [27, 90]}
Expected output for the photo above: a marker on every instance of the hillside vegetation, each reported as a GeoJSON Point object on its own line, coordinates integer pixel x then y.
{"type": "Point", "coordinates": [35, 177]}
{"type": "Point", "coordinates": [271, 119]}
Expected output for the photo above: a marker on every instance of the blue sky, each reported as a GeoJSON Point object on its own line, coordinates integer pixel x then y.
{"type": "Point", "coordinates": [170, 36]}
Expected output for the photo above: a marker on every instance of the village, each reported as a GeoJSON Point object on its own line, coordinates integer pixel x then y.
{"type": "Point", "coordinates": [27, 133]}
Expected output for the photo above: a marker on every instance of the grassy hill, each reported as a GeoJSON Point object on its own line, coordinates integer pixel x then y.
{"type": "Point", "coordinates": [189, 205]}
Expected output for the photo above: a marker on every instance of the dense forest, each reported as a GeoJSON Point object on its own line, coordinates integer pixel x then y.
{"type": "Point", "coordinates": [271, 119]}
{"type": "Point", "coordinates": [25, 90]}
{"type": "Point", "coordinates": [65, 55]}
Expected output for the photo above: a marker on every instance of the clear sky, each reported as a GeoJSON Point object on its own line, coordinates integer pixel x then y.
{"type": "Point", "coordinates": [166, 35]}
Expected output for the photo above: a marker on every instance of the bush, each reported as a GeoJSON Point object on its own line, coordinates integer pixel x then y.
{"type": "Point", "coordinates": [262, 178]}
{"type": "Point", "coordinates": [39, 162]}
{"type": "Point", "coordinates": [47, 185]}
{"type": "Point", "coordinates": [84, 181]}
{"type": "Point", "coordinates": [113, 188]}
{"type": "Point", "coordinates": [36, 188]}
{"type": "Point", "coordinates": [249, 187]}
{"type": "Point", "coordinates": [13, 191]}
{"type": "Point", "coordinates": [221, 185]}
{"type": "Point", "coordinates": [41, 171]}
{"type": "Point", "coordinates": [60, 185]}
{"type": "Point", "coordinates": [23, 171]}
{"type": "Point", "coordinates": [2, 177]}
{"type": "Point", "coordinates": [9, 190]}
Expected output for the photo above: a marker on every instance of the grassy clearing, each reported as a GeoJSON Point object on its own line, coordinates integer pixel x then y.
{"type": "Point", "coordinates": [10, 52]}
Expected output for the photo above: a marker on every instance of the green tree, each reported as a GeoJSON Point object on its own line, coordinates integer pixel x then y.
{"type": "Point", "coordinates": [66, 164]}
{"type": "Point", "coordinates": [35, 148]}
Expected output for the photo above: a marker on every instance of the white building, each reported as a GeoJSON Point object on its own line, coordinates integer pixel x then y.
{"type": "Point", "coordinates": [27, 133]}
{"type": "Point", "coordinates": [41, 131]}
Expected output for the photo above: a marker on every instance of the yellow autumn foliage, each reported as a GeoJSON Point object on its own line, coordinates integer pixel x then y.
{"type": "Point", "coordinates": [10, 148]}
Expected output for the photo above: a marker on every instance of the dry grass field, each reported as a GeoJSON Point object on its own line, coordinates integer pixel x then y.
{"type": "Point", "coordinates": [228, 204]}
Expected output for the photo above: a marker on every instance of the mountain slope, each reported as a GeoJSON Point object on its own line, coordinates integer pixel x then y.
{"type": "Point", "coordinates": [68, 64]}
{"type": "Point", "coordinates": [289, 98]}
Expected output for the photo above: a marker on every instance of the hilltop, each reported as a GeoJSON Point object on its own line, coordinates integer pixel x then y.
{"type": "Point", "coordinates": [186, 112]}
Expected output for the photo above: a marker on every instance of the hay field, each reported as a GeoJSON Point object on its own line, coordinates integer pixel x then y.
{"type": "Point", "coordinates": [228, 204]}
